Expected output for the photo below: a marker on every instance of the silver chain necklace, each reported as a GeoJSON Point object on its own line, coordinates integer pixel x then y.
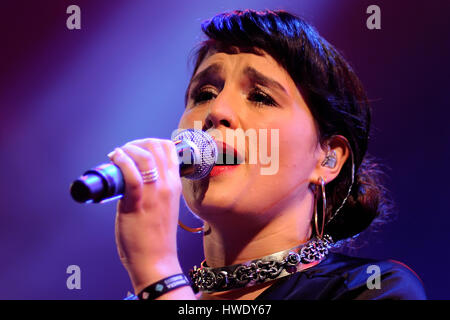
{"type": "Point", "coordinates": [260, 270]}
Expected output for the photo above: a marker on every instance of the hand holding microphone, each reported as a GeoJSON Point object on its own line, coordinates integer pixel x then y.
{"type": "Point", "coordinates": [147, 214]}
{"type": "Point", "coordinates": [146, 173]}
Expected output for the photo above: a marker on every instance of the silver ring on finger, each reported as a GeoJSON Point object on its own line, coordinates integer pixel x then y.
{"type": "Point", "coordinates": [150, 175]}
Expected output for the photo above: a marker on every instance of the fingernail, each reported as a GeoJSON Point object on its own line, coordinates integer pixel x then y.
{"type": "Point", "coordinates": [111, 154]}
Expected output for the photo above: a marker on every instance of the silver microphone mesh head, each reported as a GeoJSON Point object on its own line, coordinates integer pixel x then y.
{"type": "Point", "coordinates": [205, 151]}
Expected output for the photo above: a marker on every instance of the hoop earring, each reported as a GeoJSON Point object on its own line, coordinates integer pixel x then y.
{"type": "Point", "coordinates": [189, 229]}
{"type": "Point", "coordinates": [324, 209]}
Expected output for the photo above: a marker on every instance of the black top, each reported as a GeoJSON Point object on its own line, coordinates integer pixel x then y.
{"type": "Point", "coordinates": [340, 277]}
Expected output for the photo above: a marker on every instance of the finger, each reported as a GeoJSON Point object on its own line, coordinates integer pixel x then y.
{"type": "Point", "coordinates": [172, 154]}
{"type": "Point", "coordinates": [143, 158]}
{"type": "Point", "coordinates": [132, 177]}
{"type": "Point", "coordinates": [145, 161]}
{"type": "Point", "coordinates": [155, 148]}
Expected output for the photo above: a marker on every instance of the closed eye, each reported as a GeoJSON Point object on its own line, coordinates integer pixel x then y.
{"type": "Point", "coordinates": [256, 96]}
{"type": "Point", "coordinates": [260, 98]}
{"type": "Point", "coordinates": [203, 95]}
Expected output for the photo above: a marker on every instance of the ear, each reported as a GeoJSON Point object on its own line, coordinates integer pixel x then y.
{"type": "Point", "coordinates": [333, 155]}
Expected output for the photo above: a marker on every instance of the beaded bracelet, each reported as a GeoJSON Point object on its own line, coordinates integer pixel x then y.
{"type": "Point", "coordinates": [163, 286]}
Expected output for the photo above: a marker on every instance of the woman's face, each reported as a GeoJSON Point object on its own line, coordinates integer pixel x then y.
{"type": "Point", "coordinates": [248, 93]}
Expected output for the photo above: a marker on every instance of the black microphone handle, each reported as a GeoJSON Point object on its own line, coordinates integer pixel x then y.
{"type": "Point", "coordinates": [105, 182]}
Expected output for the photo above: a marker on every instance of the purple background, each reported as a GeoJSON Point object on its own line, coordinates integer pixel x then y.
{"type": "Point", "coordinates": [67, 98]}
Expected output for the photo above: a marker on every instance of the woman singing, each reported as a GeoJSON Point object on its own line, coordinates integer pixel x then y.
{"type": "Point", "coordinates": [266, 236]}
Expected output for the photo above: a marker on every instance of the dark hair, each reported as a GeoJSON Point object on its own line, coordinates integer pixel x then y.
{"type": "Point", "coordinates": [331, 90]}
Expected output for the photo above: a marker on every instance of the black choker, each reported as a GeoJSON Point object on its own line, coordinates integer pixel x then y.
{"type": "Point", "coordinates": [261, 270]}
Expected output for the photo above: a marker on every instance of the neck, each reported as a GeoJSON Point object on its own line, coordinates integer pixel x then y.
{"type": "Point", "coordinates": [244, 237]}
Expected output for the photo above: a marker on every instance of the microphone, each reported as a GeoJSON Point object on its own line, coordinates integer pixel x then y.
{"type": "Point", "coordinates": [197, 154]}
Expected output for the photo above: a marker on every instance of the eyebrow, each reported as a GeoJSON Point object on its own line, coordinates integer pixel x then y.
{"type": "Point", "coordinates": [256, 76]}
{"type": "Point", "coordinates": [213, 70]}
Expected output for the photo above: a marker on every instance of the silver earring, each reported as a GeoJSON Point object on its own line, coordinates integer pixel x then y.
{"type": "Point", "coordinates": [330, 159]}
{"type": "Point", "coordinates": [322, 183]}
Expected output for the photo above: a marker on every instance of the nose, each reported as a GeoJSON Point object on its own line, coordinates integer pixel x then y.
{"type": "Point", "coordinates": [222, 112]}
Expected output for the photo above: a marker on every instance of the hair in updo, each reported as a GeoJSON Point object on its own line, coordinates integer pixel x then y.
{"type": "Point", "coordinates": [333, 93]}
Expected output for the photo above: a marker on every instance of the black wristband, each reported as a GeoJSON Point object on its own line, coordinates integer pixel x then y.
{"type": "Point", "coordinates": [163, 286]}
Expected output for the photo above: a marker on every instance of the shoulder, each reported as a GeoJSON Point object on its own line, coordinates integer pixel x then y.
{"type": "Point", "coordinates": [371, 279]}
{"type": "Point", "coordinates": [343, 277]}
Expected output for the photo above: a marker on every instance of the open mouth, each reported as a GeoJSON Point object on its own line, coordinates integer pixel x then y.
{"type": "Point", "coordinates": [228, 156]}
